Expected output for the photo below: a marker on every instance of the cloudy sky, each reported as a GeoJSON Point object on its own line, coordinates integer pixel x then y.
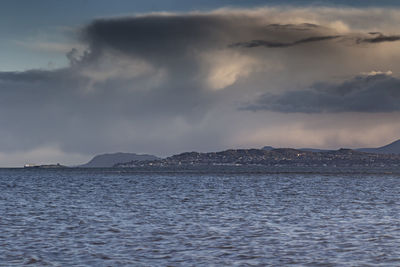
{"type": "Point", "coordinates": [78, 78]}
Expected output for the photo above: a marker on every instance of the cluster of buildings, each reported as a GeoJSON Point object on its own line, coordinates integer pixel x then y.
{"type": "Point", "coordinates": [275, 157]}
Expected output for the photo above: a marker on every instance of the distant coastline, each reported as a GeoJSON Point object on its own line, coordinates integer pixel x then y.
{"type": "Point", "coordinates": [386, 156]}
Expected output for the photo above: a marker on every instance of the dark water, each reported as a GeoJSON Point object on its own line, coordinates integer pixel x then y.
{"type": "Point", "coordinates": [110, 218]}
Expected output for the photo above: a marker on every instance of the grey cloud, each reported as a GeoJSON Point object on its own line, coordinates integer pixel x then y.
{"type": "Point", "coordinates": [295, 27]}
{"type": "Point", "coordinates": [379, 38]}
{"type": "Point", "coordinates": [30, 75]}
{"type": "Point", "coordinates": [270, 44]}
{"type": "Point", "coordinates": [73, 56]}
{"type": "Point", "coordinates": [314, 29]}
{"type": "Point", "coordinates": [39, 108]}
{"type": "Point", "coordinates": [285, 31]}
{"type": "Point", "coordinates": [377, 93]}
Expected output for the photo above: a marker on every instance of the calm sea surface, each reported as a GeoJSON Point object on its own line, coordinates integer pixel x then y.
{"type": "Point", "coordinates": [107, 217]}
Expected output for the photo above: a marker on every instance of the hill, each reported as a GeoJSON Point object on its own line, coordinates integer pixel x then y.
{"type": "Point", "coordinates": [392, 148]}
{"type": "Point", "coordinates": [109, 160]}
{"type": "Point", "coordinates": [268, 148]}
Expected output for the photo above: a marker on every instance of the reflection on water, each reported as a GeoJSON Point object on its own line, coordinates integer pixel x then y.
{"type": "Point", "coordinates": [111, 218]}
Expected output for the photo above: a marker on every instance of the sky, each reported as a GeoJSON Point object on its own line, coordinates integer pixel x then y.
{"type": "Point", "coordinates": [79, 78]}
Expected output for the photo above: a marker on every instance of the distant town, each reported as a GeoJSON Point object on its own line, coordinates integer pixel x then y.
{"type": "Point", "coordinates": [274, 157]}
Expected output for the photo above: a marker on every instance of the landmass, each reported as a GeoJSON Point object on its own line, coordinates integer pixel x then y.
{"type": "Point", "coordinates": [385, 156]}
{"type": "Point", "coordinates": [45, 166]}
{"type": "Point", "coordinates": [273, 157]}
{"type": "Point", "coordinates": [392, 148]}
{"type": "Point", "coordinates": [109, 160]}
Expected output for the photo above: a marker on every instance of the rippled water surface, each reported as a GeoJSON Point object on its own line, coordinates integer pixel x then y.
{"type": "Point", "coordinates": [113, 218]}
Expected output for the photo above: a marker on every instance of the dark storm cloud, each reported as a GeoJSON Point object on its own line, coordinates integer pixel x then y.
{"type": "Point", "coordinates": [59, 107]}
{"type": "Point", "coordinates": [270, 44]}
{"type": "Point", "coordinates": [375, 93]}
{"type": "Point", "coordinates": [82, 107]}
{"type": "Point", "coordinates": [379, 38]}
{"type": "Point", "coordinates": [168, 39]}
{"type": "Point", "coordinates": [157, 37]}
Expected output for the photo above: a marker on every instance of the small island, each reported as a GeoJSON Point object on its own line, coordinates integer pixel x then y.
{"type": "Point", "coordinates": [45, 166]}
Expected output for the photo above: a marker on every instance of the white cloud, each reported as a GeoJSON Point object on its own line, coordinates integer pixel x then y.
{"type": "Point", "coordinates": [226, 66]}
{"type": "Point", "coordinates": [374, 73]}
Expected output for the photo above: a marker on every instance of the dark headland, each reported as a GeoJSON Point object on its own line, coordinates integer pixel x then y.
{"type": "Point", "coordinates": [109, 160]}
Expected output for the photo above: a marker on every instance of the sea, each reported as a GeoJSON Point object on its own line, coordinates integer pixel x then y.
{"type": "Point", "coordinates": [200, 217]}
